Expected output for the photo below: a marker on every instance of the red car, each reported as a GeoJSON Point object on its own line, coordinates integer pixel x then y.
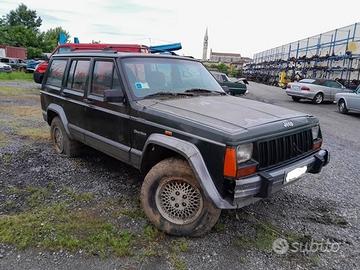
{"type": "Point", "coordinates": [70, 47]}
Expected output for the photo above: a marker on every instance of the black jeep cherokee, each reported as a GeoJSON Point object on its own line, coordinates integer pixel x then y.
{"type": "Point", "coordinates": [200, 149]}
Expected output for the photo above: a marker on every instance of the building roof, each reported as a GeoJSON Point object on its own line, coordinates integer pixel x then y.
{"type": "Point", "coordinates": [225, 54]}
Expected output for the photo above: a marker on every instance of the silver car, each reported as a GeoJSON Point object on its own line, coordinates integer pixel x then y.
{"type": "Point", "coordinates": [317, 90]}
{"type": "Point", "coordinates": [348, 101]}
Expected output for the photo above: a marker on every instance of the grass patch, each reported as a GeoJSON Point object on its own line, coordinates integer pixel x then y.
{"type": "Point", "coordinates": [266, 234]}
{"type": "Point", "coordinates": [78, 197]}
{"type": "Point", "coordinates": [7, 158]}
{"type": "Point", "coordinates": [136, 213]}
{"type": "Point", "coordinates": [16, 91]}
{"type": "Point", "coordinates": [33, 133]}
{"type": "Point", "coordinates": [150, 233]}
{"type": "Point", "coordinates": [177, 262]}
{"type": "Point", "coordinates": [16, 75]}
{"type": "Point", "coordinates": [22, 111]}
{"type": "Point", "coordinates": [219, 227]}
{"type": "Point", "coordinates": [58, 227]}
{"type": "Point", "coordinates": [3, 139]}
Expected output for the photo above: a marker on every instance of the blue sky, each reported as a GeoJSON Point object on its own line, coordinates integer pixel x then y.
{"type": "Point", "coordinates": [244, 27]}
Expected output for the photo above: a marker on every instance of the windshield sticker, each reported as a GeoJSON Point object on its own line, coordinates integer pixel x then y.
{"type": "Point", "coordinates": [140, 85]}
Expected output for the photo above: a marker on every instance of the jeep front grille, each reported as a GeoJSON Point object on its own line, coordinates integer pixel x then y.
{"type": "Point", "coordinates": [277, 150]}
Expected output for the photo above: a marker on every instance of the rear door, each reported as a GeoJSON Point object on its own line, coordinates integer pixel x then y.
{"type": "Point", "coordinates": [107, 123]}
{"type": "Point", "coordinates": [77, 82]}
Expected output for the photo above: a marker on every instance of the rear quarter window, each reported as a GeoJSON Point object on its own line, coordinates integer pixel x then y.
{"type": "Point", "coordinates": [56, 72]}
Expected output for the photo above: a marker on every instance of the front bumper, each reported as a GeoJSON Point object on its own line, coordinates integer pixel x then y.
{"type": "Point", "coordinates": [263, 184]}
{"type": "Point", "coordinates": [300, 93]}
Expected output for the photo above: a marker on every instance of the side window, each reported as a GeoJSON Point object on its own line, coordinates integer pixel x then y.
{"type": "Point", "coordinates": [104, 77]}
{"type": "Point", "coordinates": [332, 84]}
{"type": "Point", "coordinates": [223, 78]}
{"type": "Point", "coordinates": [56, 72]}
{"type": "Point", "coordinates": [78, 75]}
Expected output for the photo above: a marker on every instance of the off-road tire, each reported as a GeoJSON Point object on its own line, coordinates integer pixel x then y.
{"type": "Point", "coordinates": [296, 99]}
{"type": "Point", "coordinates": [317, 99]}
{"type": "Point", "coordinates": [174, 171]}
{"type": "Point", "coordinates": [342, 107]}
{"type": "Point", "coordinates": [61, 141]}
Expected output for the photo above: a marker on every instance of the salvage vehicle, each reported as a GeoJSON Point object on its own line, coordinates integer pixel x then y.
{"type": "Point", "coordinates": [233, 87]}
{"type": "Point", "coordinates": [348, 101]}
{"type": "Point", "coordinates": [317, 90]}
{"type": "Point", "coordinates": [5, 68]}
{"type": "Point", "coordinates": [41, 68]}
{"type": "Point", "coordinates": [200, 149]}
{"type": "Point", "coordinates": [14, 63]}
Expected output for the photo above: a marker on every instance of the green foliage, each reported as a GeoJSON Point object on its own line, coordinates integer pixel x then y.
{"type": "Point", "coordinates": [20, 27]}
{"type": "Point", "coordinates": [57, 227]}
{"type": "Point", "coordinates": [50, 38]}
{"type": "Point", "coordinates": [23, 16]}
{"type": "Point", "coordinates": [223, 68]}
{"type": "Point", "coordinates": [15, 75]}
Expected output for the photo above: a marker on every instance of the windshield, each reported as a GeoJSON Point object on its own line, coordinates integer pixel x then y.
{"type": "Point", "coordinates": [148, 76]}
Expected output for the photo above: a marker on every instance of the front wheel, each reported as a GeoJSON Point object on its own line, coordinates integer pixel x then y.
{"type": "Point", "coordinates": [174, 201]}
{"type": "Point", "coordinates": [342, 106]}
{"type": "Point", "coordinates": [319, 98]}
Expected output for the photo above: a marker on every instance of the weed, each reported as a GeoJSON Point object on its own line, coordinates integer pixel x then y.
{"type": "Point", "coordinates": [6, 158]}
{"type": "Point", "coordinates": [150, 233]}
{"type": "Point", "coordinates": [177, 262]}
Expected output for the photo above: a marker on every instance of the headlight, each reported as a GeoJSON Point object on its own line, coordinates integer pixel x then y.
{"type": "Point", "coordinates": [244, 152]}
{"type": "Point", "coordinates": [315, 132]}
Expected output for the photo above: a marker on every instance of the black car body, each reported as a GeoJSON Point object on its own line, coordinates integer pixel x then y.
{"type": "Point", "coordinates": [210, 130]}
{"type": "Point", "coordinates": [232, 86]}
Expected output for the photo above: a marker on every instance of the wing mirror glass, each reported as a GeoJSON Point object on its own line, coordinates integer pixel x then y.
{"type": "Point", "coordinates": [113, 95]}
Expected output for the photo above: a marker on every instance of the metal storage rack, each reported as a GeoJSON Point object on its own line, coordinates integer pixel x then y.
{"type": "Point", "coordinates": [334, 54]}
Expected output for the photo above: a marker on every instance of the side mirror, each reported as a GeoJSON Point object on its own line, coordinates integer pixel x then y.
{"type": "Point", "coordinates": [225, 88]}
{"type": "Point", "coordinates": [113, 95]}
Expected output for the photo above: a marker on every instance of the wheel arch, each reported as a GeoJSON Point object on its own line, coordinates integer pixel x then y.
{"type": "Point", "coordinates": [54, 110]}
{"type": "Point", "coordinates": [170, 146]}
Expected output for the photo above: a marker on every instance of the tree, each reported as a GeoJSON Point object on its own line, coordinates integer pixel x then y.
{"type": "Point", "coordinates": [50, 38]}
{"type": "Point", "coordinates": [23, 16]}
{"type": "Point", "coordinates": [20, 27]}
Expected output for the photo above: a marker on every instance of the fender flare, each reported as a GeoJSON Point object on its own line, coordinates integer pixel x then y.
{"type": "Point", "coordinates": [192, 154]}
{"type": "Point", "coordinates": [60, 112]}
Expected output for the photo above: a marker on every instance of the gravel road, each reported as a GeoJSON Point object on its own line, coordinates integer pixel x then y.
{"type": "Point", "coordinates": [322, 209]}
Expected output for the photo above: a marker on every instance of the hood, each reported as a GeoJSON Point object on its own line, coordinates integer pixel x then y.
{"type": "Point", "coordinates": [226, 113]}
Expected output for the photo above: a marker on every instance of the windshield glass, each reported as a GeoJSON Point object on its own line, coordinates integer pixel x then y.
{"type": "Point", "coordinates": [148, 76]}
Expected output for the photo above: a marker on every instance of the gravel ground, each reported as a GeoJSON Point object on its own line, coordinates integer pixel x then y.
{"type": "Point", "coordinates": [320, 208]}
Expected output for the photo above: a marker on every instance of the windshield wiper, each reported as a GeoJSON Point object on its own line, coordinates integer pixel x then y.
{"type": "Point", "coordinates": [166, 94]}
{"type": "Point", "coordinates": [206, 91]}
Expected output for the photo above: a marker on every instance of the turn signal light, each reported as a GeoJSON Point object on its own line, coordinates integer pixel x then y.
{"type": "Point", "coordinates": [317, 144]}
{"type": "Point", "coordinates": [230, 163]}
{"type": "Point", "coordinates": [245, 171]}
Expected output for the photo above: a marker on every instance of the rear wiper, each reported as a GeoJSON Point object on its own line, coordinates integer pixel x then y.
{"type": "Point", "coordinates": [166, 94]}
{"type": "Point", "coordinates": [200, 90]}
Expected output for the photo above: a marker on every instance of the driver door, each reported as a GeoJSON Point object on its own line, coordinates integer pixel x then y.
{"type": "Point", "coordinates": [107, 122]}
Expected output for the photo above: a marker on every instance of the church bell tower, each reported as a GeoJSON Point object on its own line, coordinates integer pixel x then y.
{"type": "Point", "coordinates": [205, 46]}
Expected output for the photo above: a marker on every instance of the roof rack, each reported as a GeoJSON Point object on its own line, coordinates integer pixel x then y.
{"type": "Point", "coordinates": [94, 51]}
